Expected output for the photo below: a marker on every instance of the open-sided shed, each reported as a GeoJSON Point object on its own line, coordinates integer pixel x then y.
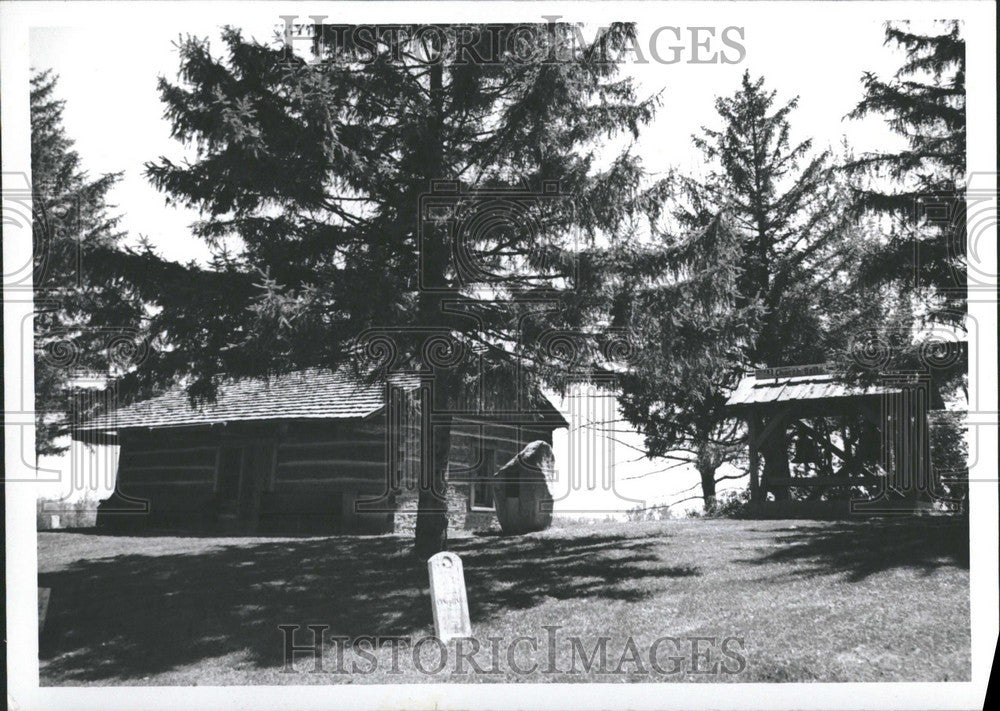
{"type": "Point", "coordinates": [816, 431]}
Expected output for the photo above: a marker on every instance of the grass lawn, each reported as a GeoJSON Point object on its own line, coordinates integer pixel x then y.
{"type": "Point", "coordinates": [882, 600]}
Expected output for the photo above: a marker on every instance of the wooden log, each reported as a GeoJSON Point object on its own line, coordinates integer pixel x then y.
{"type": "Point", "coordinates": [754, 459]}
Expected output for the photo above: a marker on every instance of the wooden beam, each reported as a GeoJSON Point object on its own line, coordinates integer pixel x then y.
{"type": "Point", "coordinates": [754, 457]}
{"type": "Point", "coordinates": [822, 441]}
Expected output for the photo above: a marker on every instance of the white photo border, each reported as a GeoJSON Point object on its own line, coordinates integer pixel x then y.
{"type": "Point", "coordinates": [108, 18]}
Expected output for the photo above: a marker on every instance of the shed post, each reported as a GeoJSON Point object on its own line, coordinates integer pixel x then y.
{"type": "Point", "coordinates": [754, 457]}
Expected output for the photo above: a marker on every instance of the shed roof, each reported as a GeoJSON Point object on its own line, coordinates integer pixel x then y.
{"type": "Point", "coordinates": [798, 383]}
{"type": "Point", "coordinates": [308, 394]}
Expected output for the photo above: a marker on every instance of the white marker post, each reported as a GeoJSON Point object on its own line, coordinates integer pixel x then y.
{"type": "Point", "coordinates": [448, 597]}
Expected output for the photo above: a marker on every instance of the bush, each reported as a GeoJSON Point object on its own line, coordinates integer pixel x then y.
{"type": "Point", "coordinates": [950, 454]}
{"type": "Point", "coordinates": [731, 504]}
{"type": "Point", "coordinates": [652, 513]}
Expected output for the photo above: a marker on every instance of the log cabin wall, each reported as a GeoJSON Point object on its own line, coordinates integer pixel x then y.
{"type": "Point", "coordinates": [174, 474]}
{"type": "Point", "coordinates": [267, 477]}
{"type": "Point", "coordinates": [322, 469]}
{"type": "Point", "coordinates": [304, 477]}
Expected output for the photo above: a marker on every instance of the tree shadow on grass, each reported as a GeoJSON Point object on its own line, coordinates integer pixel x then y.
{"type": "Point", "coordinates": [136, 615]}
{"type": "Point", "coordinates": [864, 548]}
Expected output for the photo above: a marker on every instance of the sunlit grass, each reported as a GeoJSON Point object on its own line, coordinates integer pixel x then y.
{"type": "Point", "coordinates": [799, 601]}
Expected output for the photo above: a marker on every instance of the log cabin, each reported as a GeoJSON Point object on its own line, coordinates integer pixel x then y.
{"type": "Point", "coordinates": [307, 452]}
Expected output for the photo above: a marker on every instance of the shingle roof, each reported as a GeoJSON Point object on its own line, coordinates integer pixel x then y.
{"type": "Point", "coordinates": [308, 394]}
{"type": "Point", "coordinates": [300, 395]}
{"type": "Point", "coordinates": [797, 383]}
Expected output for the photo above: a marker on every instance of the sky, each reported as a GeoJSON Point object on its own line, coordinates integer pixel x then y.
{"type": "Point", "coordinates": [114, 114]}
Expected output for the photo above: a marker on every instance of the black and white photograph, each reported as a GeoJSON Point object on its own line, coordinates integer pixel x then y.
{"type": "Point", "coordinates": [500, 355]}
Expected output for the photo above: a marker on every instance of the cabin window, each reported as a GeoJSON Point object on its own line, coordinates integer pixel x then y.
{"type": "Point", "coordinates": [228, 478]}
{"type": "Point", "coordinates": [481, 495]}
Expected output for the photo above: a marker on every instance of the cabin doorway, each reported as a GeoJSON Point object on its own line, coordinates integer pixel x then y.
{"type": "Point", "coordinates": [243, 475]}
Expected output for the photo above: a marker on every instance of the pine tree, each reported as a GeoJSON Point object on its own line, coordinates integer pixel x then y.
{"type": "Point", "coordinates": [313, 173]}
{"type": "Point", "coordinates": [770, 285]}
{"type": "Point", "coordinates": [689, 336]}
{"type": "Point", "coordinates": [86, 317]}
{"type": "Point", "coordinates": [920, 189]}
{"type": "Point", "coordinates": [918, 192]}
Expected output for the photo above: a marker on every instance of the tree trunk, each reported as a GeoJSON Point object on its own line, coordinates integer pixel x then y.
{"type": "Point", "coordinates": [432, 503]}
{"type": "Point", "coordinates": [706, 462]}
{"type": "Point", "coordinates": [707, 472]}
